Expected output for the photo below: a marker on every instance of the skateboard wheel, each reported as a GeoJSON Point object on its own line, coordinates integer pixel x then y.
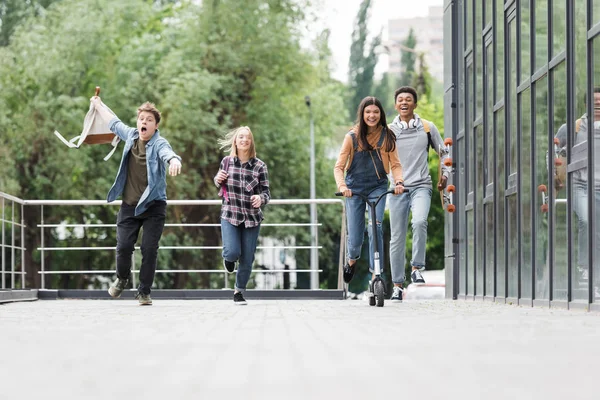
{"type": "Point", "coordinates": [557, 162]}
{"type": "Point", "coordinates": [451, 208]}
{"type": "Point", "coordinates": [556, 141]}
{"type": "Point", "coordinates": [544, 208]}
{"type": "Point", "coordinates": [448, 162]}
{"type": "Point", "coordinates": [542, 188]}
{"type": "Point", "coordinates": [451, 188]}
{"type": "Point", "coordinates": [448, 142]}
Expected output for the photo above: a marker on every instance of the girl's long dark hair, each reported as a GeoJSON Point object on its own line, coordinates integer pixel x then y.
{"type": "Point", "coordinates": [389, 143]}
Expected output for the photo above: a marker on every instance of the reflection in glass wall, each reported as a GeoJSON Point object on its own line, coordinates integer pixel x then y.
{"type": "Point", "coordinates": [526, 192]}
{"type": "Point", "coordinates": [469, 131]}
{"type": "Point", "coordinates": [559, 272]}
{"type": "Point", "coordinates": [468, 4]}
{"type": "Point", "coordinates": [470, 253]}
{"type": "Point", "coordinates": [499, 42]}
{"type": "Point", "coordinates": [518, 196]}
{"type": "Point", "coordinates": [579, 202]}
{"type": "Point", "coordinates": [512, 155]}
{"type": "Point", "coordinates": [478, 61]}
{"type": "Point", "coordinates": [580, 56]}
{"type": "Point", "coordinates": [479, 220]}
{"type": "Point", "coordinates": [489, 248]}
{"type": "Point", "coordinates": [525, 29]}
{"type": "Point", "coordinates": [596, 182]}
{"type": "Point", "coordinates": [513, 246]}
{"type": "Point", "coordinates": [489, 107]}
{"type": "Point", "coordinates": [489, 171]}
{"type": "Point", "coordinates": [500, 217]}
{"type": "Point", "coordinates": [542, 270]}
{"type": "Point", "coordinates": [559, 26]}
{"type": "Point", "coordinates": [462, 226]}
{"type": "Point", "coordinates": [541, 34]}
{"type": "Point", "coordinates": [578, 155]}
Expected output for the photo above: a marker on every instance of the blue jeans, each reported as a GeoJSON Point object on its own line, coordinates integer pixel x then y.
{"type": "Point", "coordinates": [355, 213]}
{"type": "Point", "coordinates": [239, 244]}
{"type": "Point", "coordinates": [580, 194]}
{"type": "Point", "coordinates": [418, 201]}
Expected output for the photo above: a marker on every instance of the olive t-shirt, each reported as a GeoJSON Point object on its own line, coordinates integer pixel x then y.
{"type": "Point", "coordinates": [137, 174]}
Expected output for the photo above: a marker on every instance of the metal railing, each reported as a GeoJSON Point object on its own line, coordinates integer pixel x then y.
{"type": "Point", "coordinates": [13, 272]}
{"type": "Point", "coordinates": [43, 248]}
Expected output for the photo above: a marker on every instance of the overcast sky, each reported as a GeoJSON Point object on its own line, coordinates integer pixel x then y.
{"type": "Point", "coordinates": [339, 16]}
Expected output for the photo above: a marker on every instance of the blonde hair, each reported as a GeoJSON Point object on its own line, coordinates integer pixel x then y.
{"type": "Point", "coordinates": [228, 141]}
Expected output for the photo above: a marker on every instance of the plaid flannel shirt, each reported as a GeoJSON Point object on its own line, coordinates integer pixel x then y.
{"type": "Point", "coordinates": [244, 181]}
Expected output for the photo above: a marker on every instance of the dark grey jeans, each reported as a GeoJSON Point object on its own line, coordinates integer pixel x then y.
{"type": "Point", "coordinates": [128, 229]}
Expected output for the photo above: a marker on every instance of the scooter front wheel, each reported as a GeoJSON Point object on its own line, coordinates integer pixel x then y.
{"type": "Point", "coordinates": [379, 292]}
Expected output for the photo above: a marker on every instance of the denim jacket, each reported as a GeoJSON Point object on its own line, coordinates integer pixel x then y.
{"type": "Point", "coordinates": [158, 154]}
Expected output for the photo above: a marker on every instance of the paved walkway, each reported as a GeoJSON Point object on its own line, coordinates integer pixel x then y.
{"type": "Point", "coordinates": [275, 349]}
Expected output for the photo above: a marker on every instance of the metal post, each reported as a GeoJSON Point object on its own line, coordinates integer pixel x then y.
{"type": "Point", "coordinates": [42, 264]}
{"type": "Point", "coordinates": [314, 255]}
{"type": "Point", "coordinates": [12, 248]}
{"type": "Point", "coordinates": [133, 270]}
{"type": "Point", "coordinates": [22, 246]}
{"type": "Point", "coordinates": [2, 244]}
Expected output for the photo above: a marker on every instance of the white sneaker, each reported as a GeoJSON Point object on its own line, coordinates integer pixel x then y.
{"type": "Point", "coordinates": [416, 277]}
{"type": "Point", "coordinates": [397, 295]}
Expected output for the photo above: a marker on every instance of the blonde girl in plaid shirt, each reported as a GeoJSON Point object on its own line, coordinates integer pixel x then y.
{"type": "Point", "coordinates": [246, 181]}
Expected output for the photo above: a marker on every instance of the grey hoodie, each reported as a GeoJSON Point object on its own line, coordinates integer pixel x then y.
{"type": "Point", "coordinates": [412, 148]}
{"type": "Point", "coordinates": [581, 175]}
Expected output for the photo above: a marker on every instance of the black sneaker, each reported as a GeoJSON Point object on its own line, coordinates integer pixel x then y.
{"type": "Point", "coordinates": [238, 299]}
{"type": "Point", "coordinates": [348, 272]}
{"type": "Point", "coordinates": [144, 299]}
{"type": "Point", "coordinates": [117, 287]}
{"type": "Point", "coordinates": [416, 277]}
{"type": "Point", "coordinates": [229, 266]}
{"type": "Point", "coordinates": [397, 294]}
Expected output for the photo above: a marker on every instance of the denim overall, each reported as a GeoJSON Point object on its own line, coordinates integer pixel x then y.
{"type": "Point", "coordinates": [366, 175]}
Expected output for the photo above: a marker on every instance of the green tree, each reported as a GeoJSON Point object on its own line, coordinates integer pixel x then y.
{"type": "Point", "coordinates": [13, 12]}
{"type": "Point", "coordinates": [208, 68]}
{"type": "Point", "coordinates": [408, 59]}
{"type": "Point", "coordinates": [422, 78]}
{"type": "Point", "coordinates": [361, 67]}
{"type": "Point", "coordinates": [384, 91]}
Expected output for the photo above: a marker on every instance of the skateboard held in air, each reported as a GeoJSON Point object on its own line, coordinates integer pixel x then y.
{"type": "Point", "coordinates": [447, 197]}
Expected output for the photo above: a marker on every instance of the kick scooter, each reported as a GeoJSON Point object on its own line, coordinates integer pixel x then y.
{"type": "Point", "coordinates": [376, 286]}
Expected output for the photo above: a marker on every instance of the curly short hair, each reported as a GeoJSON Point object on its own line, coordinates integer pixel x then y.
{"type": "Point", "coordinates": [151, 108]}
{"type": "Point", "coordinates": [406, 89]}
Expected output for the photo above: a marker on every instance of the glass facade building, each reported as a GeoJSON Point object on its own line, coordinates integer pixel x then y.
{"type": "Point", "coordinates": [522, 102]}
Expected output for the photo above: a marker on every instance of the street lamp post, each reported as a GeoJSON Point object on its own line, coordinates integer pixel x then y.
{"type": "Point", "coordinates": [314, 255]}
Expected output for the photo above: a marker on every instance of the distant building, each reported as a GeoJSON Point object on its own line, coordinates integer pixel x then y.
{"type": "Point", "coordinates": [429, 32]}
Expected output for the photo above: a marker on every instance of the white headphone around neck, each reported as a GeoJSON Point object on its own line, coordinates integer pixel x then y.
{"type": "Point", "coordinates": [413, 123]}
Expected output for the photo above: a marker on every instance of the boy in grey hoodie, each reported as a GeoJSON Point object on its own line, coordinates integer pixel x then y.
{"type": "Point", "coordinates": [413, 138]}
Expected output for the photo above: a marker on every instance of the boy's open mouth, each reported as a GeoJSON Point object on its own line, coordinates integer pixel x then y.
{"type": "Point", "coordinates": [143, 129]}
